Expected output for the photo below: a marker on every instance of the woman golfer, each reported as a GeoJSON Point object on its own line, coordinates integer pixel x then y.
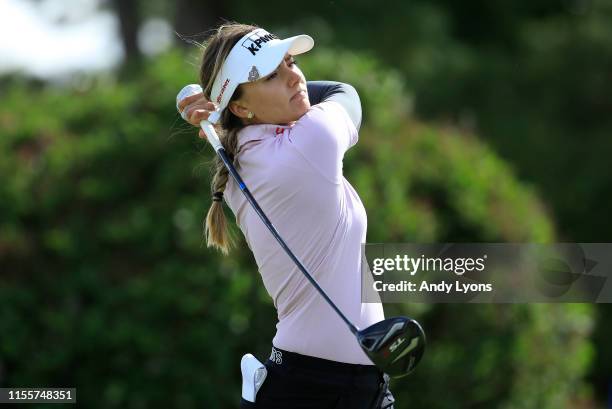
{"type": "Point", "coordinates": [288, 138]}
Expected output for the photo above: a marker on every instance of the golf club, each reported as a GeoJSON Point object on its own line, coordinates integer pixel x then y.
{"type": "Point", "coordinates": [395, 345]}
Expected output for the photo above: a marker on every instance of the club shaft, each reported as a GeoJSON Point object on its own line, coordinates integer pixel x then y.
{"type": "Point", "coordinates": [232, 170]}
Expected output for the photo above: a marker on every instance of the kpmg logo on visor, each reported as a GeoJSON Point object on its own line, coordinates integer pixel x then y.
{"type": "Point", "coordinates": [254, 42]}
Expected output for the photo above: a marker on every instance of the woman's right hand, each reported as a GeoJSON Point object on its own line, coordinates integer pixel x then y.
{"type": "Point", "coordinates": [196, 108]}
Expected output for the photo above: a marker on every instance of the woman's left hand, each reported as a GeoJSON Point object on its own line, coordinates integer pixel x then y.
{"type": "Point", "coordinates": [196, 109]}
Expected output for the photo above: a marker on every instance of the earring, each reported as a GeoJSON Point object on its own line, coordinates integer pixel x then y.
{"type": "Point", "coordinates": [250, 115]}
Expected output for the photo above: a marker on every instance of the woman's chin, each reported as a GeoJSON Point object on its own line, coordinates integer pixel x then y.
{"type": "Point", "coordinates": [298, 111]}
{"type": "Point", "coordinates": [303, 106]}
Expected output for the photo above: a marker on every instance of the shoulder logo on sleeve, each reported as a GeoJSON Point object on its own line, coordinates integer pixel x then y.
{"type": "Point", "coordinates": [279, 130]}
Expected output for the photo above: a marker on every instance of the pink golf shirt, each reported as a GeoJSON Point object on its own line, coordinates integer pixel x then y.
{"type": "Point", "coordinates": [295, 174]}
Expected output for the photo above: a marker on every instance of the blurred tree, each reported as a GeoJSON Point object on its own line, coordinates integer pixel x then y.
{"type": "Point", "coordinates": [530, 77]}
{"type": "Point", "coordinates": [128, 13]}
{"type": "Point", "coordinates": [105, 285]}
{"type": "Point", "coordinates": [190, 20]}
{"type": "Point", "coordinates": [197, 17]}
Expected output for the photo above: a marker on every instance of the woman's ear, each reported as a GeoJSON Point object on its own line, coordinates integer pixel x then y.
{"type": "Point", "coordinates": [238, 109]}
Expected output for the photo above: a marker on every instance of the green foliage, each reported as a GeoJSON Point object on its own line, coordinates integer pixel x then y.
{"type": "Point", "coordinates": [424, 184]}
{"type": "Point", "coordinates": [421, 183]}
{"type": "Point", "coordinates": [531, 77]}
{"type": "Point", "coordinates": [106, 285]}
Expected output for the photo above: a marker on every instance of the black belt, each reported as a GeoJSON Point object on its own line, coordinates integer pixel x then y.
{"type": "Point", "coordinates": [324, 368]}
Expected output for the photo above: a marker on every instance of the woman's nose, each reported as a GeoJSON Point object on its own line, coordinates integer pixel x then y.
{"type": "Point", "coordinates": [292, 77]}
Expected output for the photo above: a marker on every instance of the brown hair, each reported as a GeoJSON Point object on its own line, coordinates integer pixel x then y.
{"type": "Point", "coordinates": [216, 50]}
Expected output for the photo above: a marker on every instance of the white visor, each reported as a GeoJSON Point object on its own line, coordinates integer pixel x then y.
{"type": "Point", "coordinates": [254, 56]}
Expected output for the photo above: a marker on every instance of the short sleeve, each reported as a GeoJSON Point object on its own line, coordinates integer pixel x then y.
{"type": "Point", "coordinates": [322, 136]}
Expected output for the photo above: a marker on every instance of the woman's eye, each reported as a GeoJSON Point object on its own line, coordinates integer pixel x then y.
{"type": "Point", "coordinates": [275, 73]}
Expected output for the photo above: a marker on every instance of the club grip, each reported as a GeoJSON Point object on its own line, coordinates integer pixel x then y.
{"type": "Point", "coordinates": [211, 134]}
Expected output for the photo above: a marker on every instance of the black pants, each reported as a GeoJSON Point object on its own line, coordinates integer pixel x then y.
{"type": "Point", "coordinates": [297, 381]}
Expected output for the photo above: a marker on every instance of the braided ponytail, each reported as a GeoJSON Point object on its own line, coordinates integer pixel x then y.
{"type": "Point", "coordinates": [216, 51]}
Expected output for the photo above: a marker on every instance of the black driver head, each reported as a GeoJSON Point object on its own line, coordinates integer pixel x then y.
{"type": "Point", "coordinates": [395, 345]}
